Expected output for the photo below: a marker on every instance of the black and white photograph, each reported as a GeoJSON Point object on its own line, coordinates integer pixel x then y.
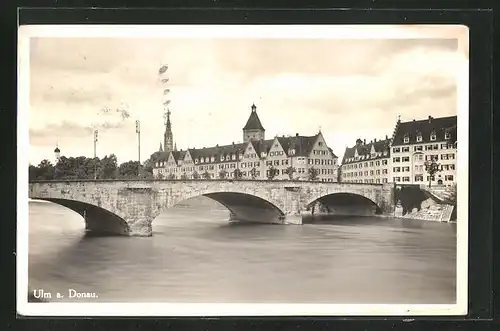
{"type": "Point", "coordinates": [250, 170]}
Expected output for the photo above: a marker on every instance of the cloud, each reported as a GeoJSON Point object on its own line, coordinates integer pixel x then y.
{"type": "Point", "coordinates": [348, 87]}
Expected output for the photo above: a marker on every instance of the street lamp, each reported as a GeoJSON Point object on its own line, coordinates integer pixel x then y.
{"type": "Point", "coordinates": [96, 134]}
{"type": "Point", "coordinates": [138, 131]}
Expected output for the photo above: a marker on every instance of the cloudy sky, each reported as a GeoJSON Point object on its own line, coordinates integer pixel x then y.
{"type": "Point", "coordinates": [348, 87]}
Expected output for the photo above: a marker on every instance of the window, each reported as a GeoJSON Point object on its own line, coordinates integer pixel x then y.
{"type": "Point", "coordinates": [406, 179]}
{"type": "Point", "coordinates": [396, 169]}
{"type": "Point", "coordinates": [384, 162]}
{"type": "Point", "coordinates": [419, 157]}
{"type": "Point", "coordinates": [384, 180]}
{"type": "Point", "coordinates": [435, 147]}
{"type": "Point", "coordinates": [405, 149]}
{"type": "Point", "coordinates": [405, 159]}
{"type": "Point", "coordinates": [447, 135]}
{"type": "Point", "coordinates": [384, 171]}
{"type": "Point", "coordinates": [292, 152]}
{"type": "Point", "coordinates": [419, 178]}
{"type": "Point", "coordinates": [377, 163]}
{"type": "Point", "coordinates": [396, 150]}
{"type": "Point", "coordinates": [417, 148]}
{"type": "Point", "coordinates": [406, 168]}
{"type": "Point", "coordinates": [448, 178]}
{"type": "Point", "coordinates": [371, 172]}
{"type": "Point", "coordinates": [406, 140]}
{"type": "Point", "coordinates": [263, 154]}
{"type": "Point", "coordinates": [378, 172]}
{"type": "Point", "coordinates": [419, 138]}
{"type": "Point", "coordinates": [397, 179]}
{"type": "Point", "coordinates": [433, 137]}
{"type": "Point", "coordinates": [396, 159]}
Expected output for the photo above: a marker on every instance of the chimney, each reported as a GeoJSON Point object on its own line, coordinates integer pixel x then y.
{"type": "Point", "coordinates": [375, 140]}
{"type": "Point", "coordinates": [386, 137]}
{"type": "Point", "coordinates": [364, 141]}
{"type": "Point", "coordinates": [297, 134]}
{"type": "Point", "coordinates": [217, 145]}
{"type": "Point", "coordinates": [233, 143]}
{"type": "Point", "coordinates": [430, 118]}
{"type": "Point", "coordinates": [283, 136]}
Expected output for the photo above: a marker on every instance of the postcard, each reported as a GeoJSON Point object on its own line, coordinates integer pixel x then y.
{"type": "Point", "coordinates": [230, 170]}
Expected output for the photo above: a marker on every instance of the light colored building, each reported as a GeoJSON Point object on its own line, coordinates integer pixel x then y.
{"type": "Point", "coordinates": [367, 162]}
{"type": "Point", "coordinates": [416, 142]}
{"type": "Point", "coordinates": [255, 158]}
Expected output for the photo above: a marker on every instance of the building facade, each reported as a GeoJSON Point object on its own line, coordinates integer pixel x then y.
{"type": "Point", "coordinates": [405, 158]}
{"type": "Point", "coordinates": [367, 162]}
{"type": "Point", "coordinates": [419, 143]}
{"type": "Point", "coordinates": [281, 158]}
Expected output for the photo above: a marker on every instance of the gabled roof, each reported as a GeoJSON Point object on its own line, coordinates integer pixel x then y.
{"type": "Point", "coordinates": [303, 146]}
{"type": "Point", "coordinates": [253, 122]}
{"type": "Point", "coordinates": [364, 151]}
{"type": "Point", "coordinates": [440, 126]}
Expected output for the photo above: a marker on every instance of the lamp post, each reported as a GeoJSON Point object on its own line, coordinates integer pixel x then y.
{"type": "Point", "coordinates": [138, 131]}
{"type": "Point", "coordinates": [96, 134]}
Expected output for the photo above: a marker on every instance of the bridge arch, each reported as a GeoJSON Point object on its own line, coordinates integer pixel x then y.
{"type": "Point", "coordinates": [347, 203]}
{"type": "Point", "coordinates": [99, 220]}
{"type": "Point", "coordinates": [243, 205]}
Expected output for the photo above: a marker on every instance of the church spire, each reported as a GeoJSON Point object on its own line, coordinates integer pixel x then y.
{"type": "Point", "coordinates": [161, 148]}
{"type": "Point", "coordinates": [168, 138]}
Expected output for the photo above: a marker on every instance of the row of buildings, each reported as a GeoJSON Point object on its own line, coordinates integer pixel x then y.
{"type": "Point", "coordinates": [400, 158]}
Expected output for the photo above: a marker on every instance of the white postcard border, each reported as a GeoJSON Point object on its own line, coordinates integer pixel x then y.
{"type": "Point", "coordinates": [239, 309]}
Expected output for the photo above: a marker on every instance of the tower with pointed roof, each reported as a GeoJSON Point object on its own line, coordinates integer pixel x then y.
{"type": "Point", "coordinates": [168, 137]}
{"type": "Point", "coordinates": [253, 130]}
{"type": "Point", "coordinates": [57, 153]}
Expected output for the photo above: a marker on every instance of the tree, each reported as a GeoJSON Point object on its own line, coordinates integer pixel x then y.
{"type": "Point", "coordinates": [290, 171]}
{"type": "Point", "coordinates": [253, 173]}
{"type": "Point", "coordinates": [184, 176]}
{"type": "Point", "coordinates": [32, 173]}
{"type": "Point", "coordinates": [196, 175]}
{"type": "Point", "coordinates": [159, 176]}
{"type": "Point", "coordinates": [108, 167]}
{"type": "Point", "coordinates": [45, 171]}
{"type": "Point", "coordinates": [272, 172]}
{"type": "Point", "coordinates": [128, 170]}
{"type": "Point", "coordinates": [237, 173]}
{"type": "Point", "coordinates": [313, 173]}
{"type": "Point", "coordinates": [206, 175]}
{"type": "Point", "coordinates": [222, 174]}
{"type": "Point", "coordinates": [432, 167]}
{"type": "Point", "coordinates": [171, 176]}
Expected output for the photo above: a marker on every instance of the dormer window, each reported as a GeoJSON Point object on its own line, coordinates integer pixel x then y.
{"type": "Point", "coordinates": [433, 136]}
{"type": "Point", "coordinates": [447, 135]}
{"type": "Point", "coordinates": [419, 138]}
{"type": "Point", "coordinates": [222, 157]}
{"type": "Point", "coordinates": [157, 164]}
{"type": "Point", "coordinates": [240, 156]}
{"type": "Point", "coordinates": [263, 154]}
{"type": "Point", "coordinates": [196, 161]}
{"type": "Point", "coordinates": [320, 143]}
{"type": "Point", "coordinates": [233, 157]}
{"type": "Point", "coordinates": [212, 159]}
{"type": "Point", "coordinates": [406, 139]}
{"type": "Point", "coordinates": [292, 151]}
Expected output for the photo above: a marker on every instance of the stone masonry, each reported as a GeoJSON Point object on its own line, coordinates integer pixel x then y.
{"type": "Point", "coordinates": [129, 207]}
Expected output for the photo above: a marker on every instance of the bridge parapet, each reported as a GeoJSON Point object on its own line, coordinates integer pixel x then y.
{"type": "Point", "coordinates": [138, 202]}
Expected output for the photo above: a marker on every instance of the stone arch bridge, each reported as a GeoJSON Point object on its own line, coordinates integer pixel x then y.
{"type": "Point", "coordinates": [128, 207]}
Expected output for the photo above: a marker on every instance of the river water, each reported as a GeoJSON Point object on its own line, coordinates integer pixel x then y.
{"type": "Point", "coordinates": [197, 256]}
